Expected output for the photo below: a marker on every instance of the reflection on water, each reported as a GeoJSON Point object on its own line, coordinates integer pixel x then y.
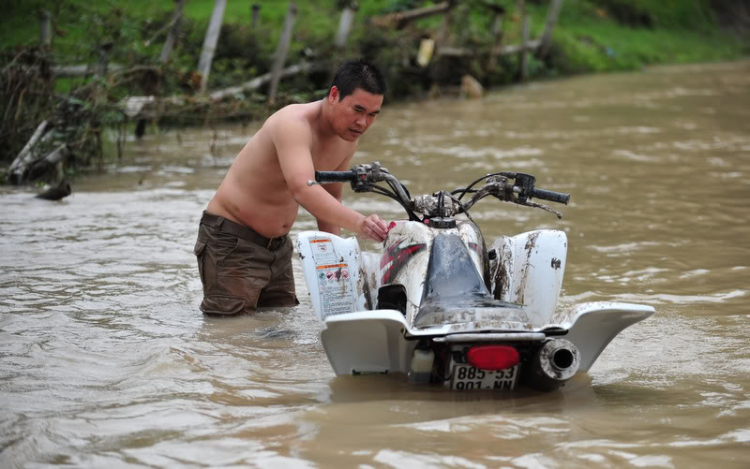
{"type": "Point", "coordinates": [106, 360]}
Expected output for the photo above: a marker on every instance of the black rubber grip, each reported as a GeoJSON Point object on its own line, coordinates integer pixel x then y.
{"type": "Point", "coordinates": [552, 196]}
{"type": "Point", "coordinates": [334, 176]}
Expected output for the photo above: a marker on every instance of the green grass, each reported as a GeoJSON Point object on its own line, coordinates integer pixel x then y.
{"type": "Point", "coordinates": [587, 36]}
{"type": "Point", "coordinates": [77, 18]}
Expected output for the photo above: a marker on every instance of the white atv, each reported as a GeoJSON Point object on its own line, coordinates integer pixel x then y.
{"type": "Point", "coordinates": [440, 306]}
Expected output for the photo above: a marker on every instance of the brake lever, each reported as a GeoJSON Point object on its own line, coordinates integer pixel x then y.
{"type": "Point", "coordinates": [546, 208]}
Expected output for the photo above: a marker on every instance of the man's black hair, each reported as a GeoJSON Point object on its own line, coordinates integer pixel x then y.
{"type": "Point", "coordinates": [359, 73]}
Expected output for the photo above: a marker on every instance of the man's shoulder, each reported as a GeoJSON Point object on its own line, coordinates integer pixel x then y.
{"type": "Point", "coordinates": [306, 111]}
{"type": "Point", "coordinates": [292, 117]}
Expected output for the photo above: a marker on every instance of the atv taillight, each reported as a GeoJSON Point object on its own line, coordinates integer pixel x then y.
{"type": "Point", "coordinates": [493, 357]}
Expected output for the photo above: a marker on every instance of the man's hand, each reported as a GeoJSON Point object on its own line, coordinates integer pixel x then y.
{"type": "Point", "coordinates": [373, 227]}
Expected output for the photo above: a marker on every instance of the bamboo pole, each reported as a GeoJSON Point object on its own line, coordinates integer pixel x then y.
{"type": "Point", "coordinates": [209, 44]}
{"type": "Point", "coordinates": [281, 51]}
{"type": "Point", "coordinates": [345, 24]}
{"type": "Point", "coordinates": [497, 28]}
{"type": "Point", "coordinates": [552, 14]}
{"type": "Point", "coordinates": [254, 15]}
{"type": "Point", "coordinates": [524, 59]}
{"type": "Point", "coordinates": [102, 64]}
{"type": "Point", "coordinates": [497, 35]}
{"type": "Point", "coordinates": [173, 31]}
{"type": "Point", "coordinates": [45, 30]}
{"type": "Point", "coordinates": [445, 26]}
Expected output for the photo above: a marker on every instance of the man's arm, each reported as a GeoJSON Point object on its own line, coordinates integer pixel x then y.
{"type": "Point", "coordinates": [336, 190]}
{"type": "Point", "coordinates": [293, 140]}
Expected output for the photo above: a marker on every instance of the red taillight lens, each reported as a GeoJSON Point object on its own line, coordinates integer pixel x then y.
{"type": "Point", "coordinates": [493, 357]}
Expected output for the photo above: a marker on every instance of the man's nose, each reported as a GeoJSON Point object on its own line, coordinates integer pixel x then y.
{"type": "Point", "coordinates": [361, 121]}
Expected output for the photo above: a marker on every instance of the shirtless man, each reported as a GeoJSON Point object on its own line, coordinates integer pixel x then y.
{"type": "Point", "coordinates": [244, 253]}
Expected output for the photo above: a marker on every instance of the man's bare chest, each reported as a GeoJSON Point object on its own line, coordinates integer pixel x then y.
{"type": "Point", "coordinates": [328, 157]}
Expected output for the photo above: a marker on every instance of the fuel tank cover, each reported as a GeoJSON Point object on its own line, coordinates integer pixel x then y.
{"type": "Point", "coordinates": [454, 291]}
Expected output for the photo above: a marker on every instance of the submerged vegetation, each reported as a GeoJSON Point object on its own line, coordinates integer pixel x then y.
{"type": "Point", "coordinates": [120, 44]}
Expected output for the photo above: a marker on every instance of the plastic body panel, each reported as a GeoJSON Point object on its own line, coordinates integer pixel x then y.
{"type": "Point", "coordinates": [529, 271]}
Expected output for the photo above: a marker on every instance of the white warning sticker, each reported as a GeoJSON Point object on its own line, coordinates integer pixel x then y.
{"type": "Point", "coordinates": [322, 251]}
{"type": "Point", "coordinates": [335, 289]}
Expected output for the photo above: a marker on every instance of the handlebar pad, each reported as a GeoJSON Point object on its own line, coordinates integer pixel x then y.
{"type": "Point", "coordinates": [334, 176]}
{"type": "Point", "coordinates": [552, 196]}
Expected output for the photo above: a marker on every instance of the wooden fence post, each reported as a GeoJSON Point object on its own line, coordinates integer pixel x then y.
{"type": "Point", "coordinates": [524, 62]}
{"type": "Point", "coordinates": [173, 31]}
{"type": "Point", "coordinates": [445, 27]}
{"type": "Point", "coordinates": [497, 35]}
{"type": "Point", "coordinates": [102, 64]}
{"type": "Point", "coordinates": [45, 31]}
{"type": "Point", "coordinates": [281, 51]}
{"type": "Point", "coordinates": [209, 44]}
{"type": "Point", "coordinates": [254, 14]}
{"type": "Point", "coordinates": [552, 14]}
{"type": "Point", "coordinates": [345, 24]}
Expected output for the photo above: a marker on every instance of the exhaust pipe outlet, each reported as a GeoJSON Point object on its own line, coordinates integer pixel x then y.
{"type": "Point", "coordinates": [554, 364]}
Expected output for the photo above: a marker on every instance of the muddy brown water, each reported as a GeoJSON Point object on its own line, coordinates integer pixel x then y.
{"type": "Point", "coordinates": [105, 360]}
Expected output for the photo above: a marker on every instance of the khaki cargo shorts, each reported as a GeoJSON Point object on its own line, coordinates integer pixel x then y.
{"type": "Point", "coordinates": [242, 270]}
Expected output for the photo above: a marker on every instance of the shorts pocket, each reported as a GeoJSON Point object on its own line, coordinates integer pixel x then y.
{"type": "Point", "coordinates": [199, 250]}
{"type": "Point", "coordinates": [200, 246]}
{"type": "Point", "coordinates": [225, 246]}
{"type": "Point", "coordinates": [223, 304]}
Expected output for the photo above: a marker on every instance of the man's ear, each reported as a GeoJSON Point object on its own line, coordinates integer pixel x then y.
{"type": "Point", "coordinates": [333, 95]}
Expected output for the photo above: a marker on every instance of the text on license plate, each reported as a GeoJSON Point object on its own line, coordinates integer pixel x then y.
{"type": "Point", "coordinates": [467, 377]}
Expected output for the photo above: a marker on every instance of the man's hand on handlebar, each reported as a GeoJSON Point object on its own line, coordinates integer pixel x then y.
{"type": "Point", "coordinates": [373, 227]}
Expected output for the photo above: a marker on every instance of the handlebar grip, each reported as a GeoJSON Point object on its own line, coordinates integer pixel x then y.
{"type": "Point", "coordinates": [334, 176]}
{"type": "Point", "coordinates": [552, 196]}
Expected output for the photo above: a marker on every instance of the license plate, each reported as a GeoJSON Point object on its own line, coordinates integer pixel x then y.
{"type": "Point", "coordinates": [466, 377]}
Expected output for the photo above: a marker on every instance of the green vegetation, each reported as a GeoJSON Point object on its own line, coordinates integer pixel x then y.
{"type": "Point", "coordinates": [590, 36]}
{"type": "Point", "coordinates": [594, 38]}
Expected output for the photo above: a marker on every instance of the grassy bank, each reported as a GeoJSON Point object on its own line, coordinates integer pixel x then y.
{"type": "Point", "coordinates": [590, 36]}
{"type": "Point", "coordinates": [593, 38]}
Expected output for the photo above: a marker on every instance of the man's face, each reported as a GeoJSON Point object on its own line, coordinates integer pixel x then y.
{"type": "Point", "coordinates": [354, 114]}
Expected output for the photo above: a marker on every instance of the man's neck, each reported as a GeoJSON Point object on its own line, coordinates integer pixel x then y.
{"type": "Point", "coordinates": [323, 120]}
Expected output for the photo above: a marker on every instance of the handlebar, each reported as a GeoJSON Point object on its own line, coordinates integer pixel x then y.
{"type": "Point", "coordinates": [513, 187]}
{"type": "Point", "coordinates": [552, 196]}
{"type": "Point", "coordinates": [334, 176]}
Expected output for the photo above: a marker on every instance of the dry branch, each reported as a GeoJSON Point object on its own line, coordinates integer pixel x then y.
{"type": "Point", "coordinates": [400, 20]}
{"type": "Point", "coordinates": [257, 82]}
{"type": "Point", "coordinates": [499, 50]}
{"type": "Point", "coordinates": [43, 165]}
{"type": "Point", "coordinates": [20, 166]}
{"type": "Point", "coordinates": [80, 70]}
